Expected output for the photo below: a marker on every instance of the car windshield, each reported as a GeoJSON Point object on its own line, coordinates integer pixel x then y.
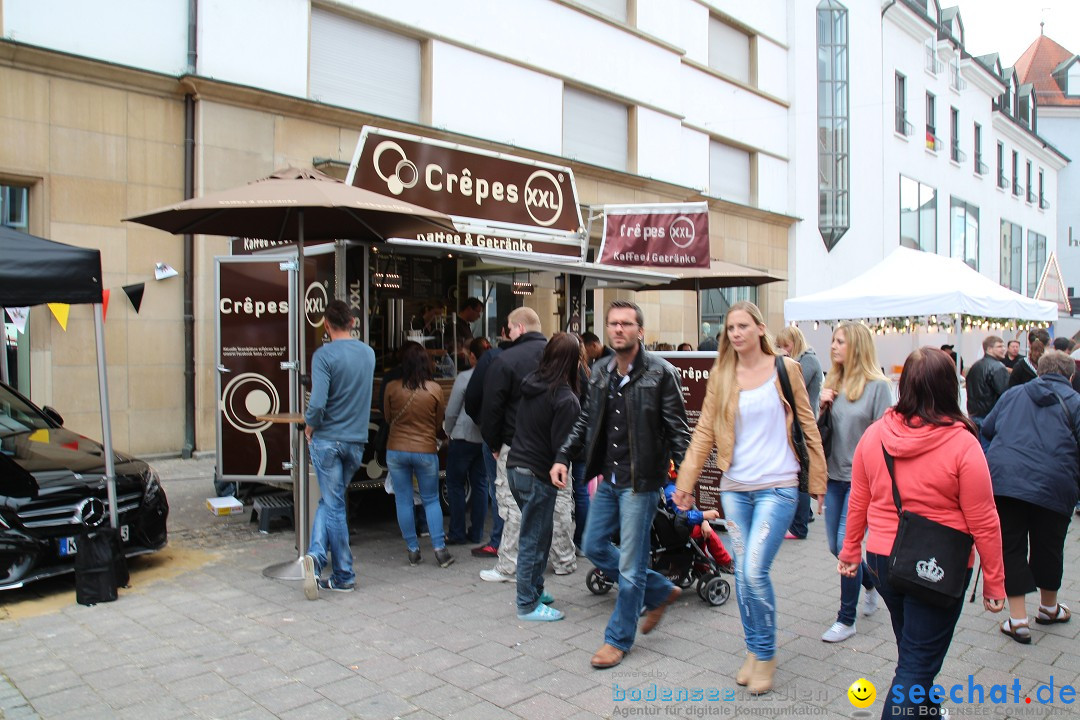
{"type": "Point", "coordinates": [18, 416]}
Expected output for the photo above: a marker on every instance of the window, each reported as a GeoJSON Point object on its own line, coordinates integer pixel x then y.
{"type": "Point", "coordinates": [16, 346]}
{"type": "Point", "coordinates": [955, 153]}
{"type": "Point", "coordinates": [1002, 182]}
{"type": "Point", "coordinates": [956, 82]}
{"type": "Point", "coordinates": [13, 203]}
{"type": "Point", "coordinates": [932, 142]}
{"type": "Point", "coordinates": [714, 304]}
{"type": "Point", "coordinates": [595, 129]}
{"type": "Point", "coordinates": [729, 50]}
{"type": "Point", "coordinates": [1030, 188]}
{"type": "Point", "coordinates": [834, 167]}
{"type": "Point", "coordinates": [964, 232]}
{"type": "Point", "coordinates": [729, 173]}
{"type": "Point", "coordinates": [933, 65]}
{"type": "Point", "coordinates": [918, 215]}
{"type": "Point", "coordinates": [1012, 242]}
{"type": "Point", "coordinates": [1043, 204]}
{"type": "Point", "coordinates": [1016, 174]}
{"type": "Point", "coordinates": [1036, 260]}
{"type": "Point", "coordinates": [614, 9]}
{"type": "Point", "coordinates": [980, 166]}
{"type": "Point", "coordinates": [364, 68]}
{"type": "Point", "coordinates": [902, 125]}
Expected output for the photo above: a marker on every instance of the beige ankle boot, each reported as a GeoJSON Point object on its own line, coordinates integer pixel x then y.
{"type": "Point", "coordinates": [761, 678]}
{"type": "Point", "coordinates": [743, 676]}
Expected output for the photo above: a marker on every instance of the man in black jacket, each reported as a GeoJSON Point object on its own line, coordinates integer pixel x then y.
{"type": "Point", "coordinates": [502, 393]}
{"type": "Point", "coordinates": [632, 423]}
{"type": "Point", "coordinates": [986, 381]}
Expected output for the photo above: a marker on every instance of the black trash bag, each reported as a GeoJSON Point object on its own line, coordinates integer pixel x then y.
{"type": "Point", "coordinates": [100, 567]}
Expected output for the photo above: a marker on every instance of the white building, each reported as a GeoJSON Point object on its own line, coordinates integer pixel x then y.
{"type": "Point", "coordinates": [915, 143]}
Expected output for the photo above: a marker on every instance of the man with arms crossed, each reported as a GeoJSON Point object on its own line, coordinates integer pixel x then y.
{"type": "Point", "coordinates": [632, 421]}
{"type": "Point", "coordinates": [337, 417]}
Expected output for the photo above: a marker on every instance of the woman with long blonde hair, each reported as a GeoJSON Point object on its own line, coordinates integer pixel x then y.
{"type": "Point", "coordinates": [856, 394]}
{"type": "Point", "coordinates": [746, 417]}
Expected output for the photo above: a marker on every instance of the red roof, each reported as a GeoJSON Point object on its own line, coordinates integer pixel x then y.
{"type": "Point", "coordinates": [1037, 65]}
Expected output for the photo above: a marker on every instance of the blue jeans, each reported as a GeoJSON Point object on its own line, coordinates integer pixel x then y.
{"type": "Point", "coordinates": [923, 634]}
{"type": "Point", "coordinates": [535, 498]}
{"type": "Point", "coordinates": [631, 515]}
{"type": "Point", "coordinates": [836, 506]}
{"type": "Point", "coordinates": [465, 464]}
{"type": "Point", "coordinates": [581, 500]}
{"type": "Point", "coordinates": [402, 466]}
{"type": "Point", "coordinates": [757, 521]}
{"type": "Point", "coordinates": [490, 466]}
{"type": "Point", "coordinates": [335, 463]}
{"type": "Point", "coordinates": [800, 524]}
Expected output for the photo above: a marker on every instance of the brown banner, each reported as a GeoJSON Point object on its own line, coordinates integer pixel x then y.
{"type": "Point", "coordinates": [694, 370]}
{"type": "Point", "coordinates": [664, 235]}
{"type": "Point", "coordinates": [467, 182]}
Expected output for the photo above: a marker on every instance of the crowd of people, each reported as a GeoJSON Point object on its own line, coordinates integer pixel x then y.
{"type": "Point", "coordinates": [534, 419]}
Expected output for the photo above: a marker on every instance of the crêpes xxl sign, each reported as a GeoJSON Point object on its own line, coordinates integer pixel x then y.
{"type": "Point", "coordinates": [661, 235]}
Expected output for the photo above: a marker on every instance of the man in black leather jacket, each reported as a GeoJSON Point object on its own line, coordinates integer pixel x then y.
{"type": "Point", "coordinates": [633, 422]}
{"type": "Point", "coordinates": [986, 381]}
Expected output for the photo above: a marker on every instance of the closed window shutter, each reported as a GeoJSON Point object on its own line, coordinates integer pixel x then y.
{"type": "Point", "coordinates": [729, 50]}
{"type": "Point", "coordinates": [615, 9]}
{"type": "Point", "coordinates": [729, 173]}
{"type": "Point", "coordinates": [361, 67]}
{"type": "Point", "coordinates": [595, 129]}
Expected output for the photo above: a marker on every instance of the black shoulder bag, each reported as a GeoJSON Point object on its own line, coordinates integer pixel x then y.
{"type": "Point", "coordinates": [796, 428]}
{"type": "Point", "coordinates": [928, 560]}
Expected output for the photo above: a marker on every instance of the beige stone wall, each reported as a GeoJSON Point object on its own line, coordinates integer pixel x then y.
{"type": "Point", "coordinates": [92, 154]}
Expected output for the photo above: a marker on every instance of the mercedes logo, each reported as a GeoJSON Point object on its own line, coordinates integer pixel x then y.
{"type": "Point", "coordinates": [91, 512]}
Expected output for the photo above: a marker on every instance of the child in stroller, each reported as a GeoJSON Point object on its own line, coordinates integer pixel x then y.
{"type": "Point", "coordinates": [686, 548]}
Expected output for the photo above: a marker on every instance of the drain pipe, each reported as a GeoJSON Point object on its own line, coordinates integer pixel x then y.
{"type": "Point", "coordinates": [189, 240]}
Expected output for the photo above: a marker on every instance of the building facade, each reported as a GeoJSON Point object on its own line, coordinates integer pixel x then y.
{"type": "Point", "coordinates": [104, 105]}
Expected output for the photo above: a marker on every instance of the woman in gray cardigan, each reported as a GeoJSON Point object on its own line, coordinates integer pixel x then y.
{"type": "Point", "coordinates": [791, 342]}
{"type": "Point", "coordinates": [856, 393]}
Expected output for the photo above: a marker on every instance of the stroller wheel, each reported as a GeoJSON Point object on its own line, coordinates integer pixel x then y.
{"type": "Point", "coordinates": [715, 592]}
{"type": "Point", "coordinates": [685, 580]}
{"type": "Point", "coordinates": [702, 582]}
{"type": "Point", "coordinates": [597, 582]}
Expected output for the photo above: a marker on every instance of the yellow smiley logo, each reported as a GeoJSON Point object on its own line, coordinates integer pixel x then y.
{"type": "Point", "coordinates": [862, 693]}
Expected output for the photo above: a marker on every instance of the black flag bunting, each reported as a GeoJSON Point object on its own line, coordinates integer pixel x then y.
{"type": "Point", "coordinates": [135, 293]}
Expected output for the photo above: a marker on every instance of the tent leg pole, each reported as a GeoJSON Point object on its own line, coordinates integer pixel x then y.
{"type": "Point", "coordinates": [4, 374]}
{"type": "Point", "coordinates": [106, 423]}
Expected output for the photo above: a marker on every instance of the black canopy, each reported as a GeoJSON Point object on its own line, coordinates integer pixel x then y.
{"type": "Point", "coordinates": [34, 271]}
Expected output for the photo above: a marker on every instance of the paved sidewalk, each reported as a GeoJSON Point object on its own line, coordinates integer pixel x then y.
{"type": "Point", "coordinates": [203, 634]}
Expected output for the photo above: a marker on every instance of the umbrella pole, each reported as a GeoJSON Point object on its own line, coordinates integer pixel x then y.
{"type": "Point", "coordinates": [106, 423]}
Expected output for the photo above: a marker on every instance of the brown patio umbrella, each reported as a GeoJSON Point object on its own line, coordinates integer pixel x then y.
{"type": "Point", "coordinates": [296, 204]}
{"type": "Point", "coordinates": [719, 274]}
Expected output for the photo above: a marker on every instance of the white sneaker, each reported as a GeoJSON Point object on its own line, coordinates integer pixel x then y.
{"type": "Point", "coordinates": [838, 632]}
{"type": "Point", "coordinates": [311, 586]}
{"type": "Point", "coordinates": [494, 575]}
{"type": "Point", "coordinates": [870, 602]}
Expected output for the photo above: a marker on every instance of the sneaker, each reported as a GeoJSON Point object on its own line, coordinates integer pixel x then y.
{"type": "Point", "coordinates": [792, 536]}
{"type": "Point", "coordinates": [565, 570]}
{"type": "Point", "coordinates": [444, 558]}
{"type": "Point", "coordinates": [329, 584]}
{"type": "Point", "coordinates": [494, 575]}
{"type": "Point", "coordinates": [423, 533]}
{"type": "Point", "coordinates": [542, 613]}
{"type": "Point", "coordinates": [311, 585]}
{"type": "Point", "coordinates": [870, 602]}
{"type": "Point", "coordinates": [414, 557]}
{"type": "Point", "coordinates": [488, 550]}
{"type": "Point", "coordinates": [546, 598]}
{"type": "Point", "coordinates": [452, 541]}
{"type": "Point", "coordinates": [579, 552]}
{"type": "Point", "coordinates": [838, 632]}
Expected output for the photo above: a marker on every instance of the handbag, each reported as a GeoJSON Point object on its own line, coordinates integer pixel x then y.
{"type": "Point", "coordinates": [382, 435]}
{"type": "Point", "coordinates": [928, 560]}
{"type": "Point", "coordinates": [824, 426]}
{"type": "Point", "coordinates": [796, 429]}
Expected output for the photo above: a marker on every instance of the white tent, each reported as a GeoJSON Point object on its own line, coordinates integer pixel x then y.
{"type": "Point", "coordinates": [911, 283]}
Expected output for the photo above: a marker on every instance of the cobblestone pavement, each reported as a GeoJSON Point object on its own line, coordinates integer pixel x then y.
{"type": "Point", "coordinates": [202, 633]}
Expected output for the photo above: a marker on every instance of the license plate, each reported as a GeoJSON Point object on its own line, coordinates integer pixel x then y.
{"type": "Point", "coordinates": [69, 546]}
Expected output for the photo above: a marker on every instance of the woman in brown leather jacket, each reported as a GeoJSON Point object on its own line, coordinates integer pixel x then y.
{"type": "Point", "coordinates": [414, 406]}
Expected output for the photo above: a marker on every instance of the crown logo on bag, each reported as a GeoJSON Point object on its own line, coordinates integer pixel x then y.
{"type": "Point", "coordinates": [929, 570]}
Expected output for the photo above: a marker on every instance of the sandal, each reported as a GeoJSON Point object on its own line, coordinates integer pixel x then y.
{"type": "Point", "coordinates": [1020, 632]}
{"type": "Point", "coordinates": [1061, 615]}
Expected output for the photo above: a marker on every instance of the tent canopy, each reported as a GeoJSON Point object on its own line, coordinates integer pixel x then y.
{"type": "Point", "coordinates": [912, 283]}
{"type": "Point", "coordinates": [37, 271]}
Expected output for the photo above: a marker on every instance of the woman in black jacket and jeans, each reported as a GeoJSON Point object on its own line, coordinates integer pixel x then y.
{"type": "Point", "coordinates": [549, 406]}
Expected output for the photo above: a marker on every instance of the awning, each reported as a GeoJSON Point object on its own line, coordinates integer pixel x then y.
{"type": "Point", "coordinates": [630, 277]}
{"type": "Point", "coordinates": [719, 274]}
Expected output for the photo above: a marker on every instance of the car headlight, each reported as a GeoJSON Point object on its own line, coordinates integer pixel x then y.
{"type": "Point", "coordinates": [153, 486]}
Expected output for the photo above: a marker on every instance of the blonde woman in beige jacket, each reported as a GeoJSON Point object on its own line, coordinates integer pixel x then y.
{"type": "Point", "coordinates": [747, 419]}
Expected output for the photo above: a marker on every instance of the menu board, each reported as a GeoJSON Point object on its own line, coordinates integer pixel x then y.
{"type": "Point", "coordinates": [694, 370]}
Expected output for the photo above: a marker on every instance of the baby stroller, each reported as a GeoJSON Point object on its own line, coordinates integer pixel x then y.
{"type": "Point", "coordinates": [682, 558]}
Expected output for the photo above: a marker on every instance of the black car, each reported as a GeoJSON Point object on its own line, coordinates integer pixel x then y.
{"type": "Point", "coordinates": [52, 487]}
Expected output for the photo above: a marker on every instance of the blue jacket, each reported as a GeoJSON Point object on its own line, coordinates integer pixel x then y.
{"type": "Point", "coordinates": [1033, 454]}
{"type": "Point", "coordinates": [693, 516]}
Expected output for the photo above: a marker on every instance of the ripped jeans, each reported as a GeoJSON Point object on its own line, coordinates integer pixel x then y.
{"type": "Point", "coordinates": [757, 521]}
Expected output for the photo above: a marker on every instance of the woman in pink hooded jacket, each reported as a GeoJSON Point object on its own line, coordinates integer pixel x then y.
{"type": "Point", "coordinates": [942, 475]}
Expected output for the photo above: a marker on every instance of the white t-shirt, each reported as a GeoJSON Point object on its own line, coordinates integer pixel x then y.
{"type": "Point", "coordinates": [762, 455]}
